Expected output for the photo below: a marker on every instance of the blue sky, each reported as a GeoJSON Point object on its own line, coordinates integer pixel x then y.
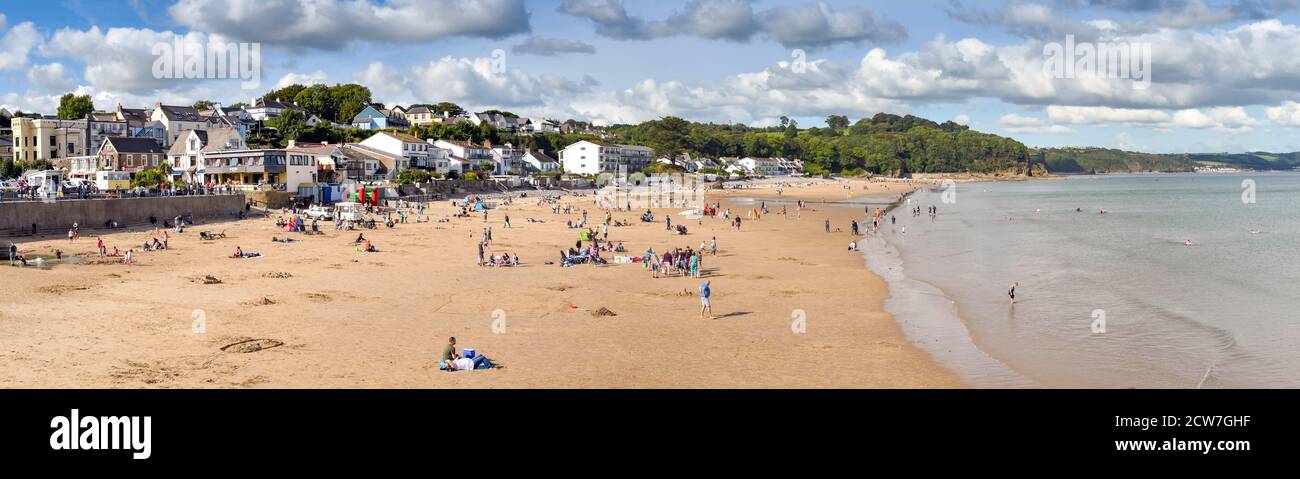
{"type": "Point", "coordinates": [1224, 76]}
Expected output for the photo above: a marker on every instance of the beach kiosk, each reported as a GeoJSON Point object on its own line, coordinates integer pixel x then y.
{"type": "Point", "coordinates": [112, 180]}
{"type": "Point", "coordinates": [45, 183]}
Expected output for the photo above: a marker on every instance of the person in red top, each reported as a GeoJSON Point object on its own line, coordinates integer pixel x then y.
{"type": "Point", "coordinates": [100, 246]}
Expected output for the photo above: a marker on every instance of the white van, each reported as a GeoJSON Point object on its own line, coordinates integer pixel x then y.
{"type": "Point", "coordinates": [349, 211]}
{"type": "Point", "coordinates": [322, 213]}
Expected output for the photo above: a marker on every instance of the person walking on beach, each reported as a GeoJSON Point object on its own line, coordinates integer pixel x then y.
{"type": "Point", "coordinates": [713, 246]}
{"type": "Point", "coordinates": [507, 221]}
{"type": "Point", "coordinates": [100, 247]}
{"type": "Point", "coordinates": [13, 253]}
{"type": "Point", "coordinates": [1012, 292]}
{"type": "Point", "coordinates": [828, 226]}
{"type": "Point", "coordinates": [705, 305]}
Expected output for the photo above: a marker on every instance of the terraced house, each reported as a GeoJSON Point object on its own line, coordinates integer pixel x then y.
{"type": "Point", "coordinates": [131, 155]}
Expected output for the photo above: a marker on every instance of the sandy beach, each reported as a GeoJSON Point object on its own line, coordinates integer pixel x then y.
{"type": "Point", "coordinates": [320, 313]}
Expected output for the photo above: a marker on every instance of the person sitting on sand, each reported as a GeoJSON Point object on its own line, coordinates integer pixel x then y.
{"type": "Point", "coordinates": [448, 355]}
{"type": "Point", "coordinates": [361, 238]}
{"type": "Point", "coordinates": [369, 248]}
{"type": "Point", "coordinates": [239, 253]}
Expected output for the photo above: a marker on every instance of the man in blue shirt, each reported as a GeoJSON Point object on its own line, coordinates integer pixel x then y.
{"type": "Point", "coordinates": [705, 292]}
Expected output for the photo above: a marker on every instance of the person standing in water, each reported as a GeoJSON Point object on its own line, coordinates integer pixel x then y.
{"type": "Point", "coordinates": [1012, 292]}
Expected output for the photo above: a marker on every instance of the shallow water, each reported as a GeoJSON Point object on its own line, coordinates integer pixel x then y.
{"type": "Point", "coordinates": [1221, 313]}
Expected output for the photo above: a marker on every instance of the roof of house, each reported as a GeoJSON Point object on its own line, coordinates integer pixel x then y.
{"type": "Point", "coordinates": [362, 116]}
{"type": "Point", "coordinates": [356, 151]}
{"type": "Point", "coordinates": [270, 103]}
{"type": "Point", "coordinates": [124, 144]}
{"type": "Point", "coordinates": [179, 147]}
{"type": "Point", "coordinates": [401, 136]}
{"type": "Point", "coordinates": [135, 114]}
{"type": "Point", "coordinates": [419, 109]}
{"type": "Point", "coordinates": [216, 139]}
{"type": "Point", "coordinates": [180, 113]}
{"type": "Point", "coordinates": [464, 144]}
{"type": "Point", "coordinates": [316, 149]}
{"type": "Point", "coordinates": [540, 156]}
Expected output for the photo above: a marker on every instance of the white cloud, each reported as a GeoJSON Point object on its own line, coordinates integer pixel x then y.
{"type": "Point", "coordinates": [470, 81]}
{"type": "Point", "coordinates": [16, 44]}
{"type": "Point", "coordinates": [807, 25]}
{"type": "Point", "coordinates": [1287, 114]}
{"type": "Point", "coordinates": [52, 77]}
{"type": "Point", "coordinates": [1013, 123]}
{"type": "Point", "coordinates": [1219, 118]}
{"type": "Point", "coordinates": [119, 59]}
{"type": "Point", "coordinates": [305, 79]}
{"type": "Point", "coordinates": [549, 47]}
{"type": "Point", "coordinates": [333, 24]}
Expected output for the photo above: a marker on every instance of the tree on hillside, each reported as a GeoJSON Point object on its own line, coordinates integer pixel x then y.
{"type": "Point", "coordinates": [204, 105]}
{"type": "Point", "coordinates": [75, 107]}
{"type": "Point", "coordinates": [286, 94]}
{"type": "Point", "coordinates": [447, 107]}
{"type": "Point", "coordinates": [291, 124]}
{"type": "Point", "coordinates": [668, 136]}
{"type": "Point", "coordinates": [319, 100]}
{"type": "Point", "coordinates": [838, 122]}
{"type": "Point", "coordinates": [349, 99]}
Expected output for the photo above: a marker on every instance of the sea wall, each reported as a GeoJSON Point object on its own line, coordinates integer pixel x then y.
{"type": "Point", "coordinates": [16, 218]}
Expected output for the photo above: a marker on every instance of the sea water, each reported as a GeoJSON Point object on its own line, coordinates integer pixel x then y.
{"type": "Point", "coordinates": [1110, 300]}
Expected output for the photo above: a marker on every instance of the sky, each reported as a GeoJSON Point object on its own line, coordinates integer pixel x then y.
{"type": "Point", "coordinates": [1204, 76]}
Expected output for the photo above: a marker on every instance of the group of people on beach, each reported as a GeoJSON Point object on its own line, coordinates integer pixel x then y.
{"type": "Point", "coordinates": [679, 261]}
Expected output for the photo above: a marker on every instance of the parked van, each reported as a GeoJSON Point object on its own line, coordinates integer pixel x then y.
{"type": "Point", "coordinates": [349, 211]}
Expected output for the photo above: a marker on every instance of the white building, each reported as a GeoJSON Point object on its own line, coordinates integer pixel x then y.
{"type": "Point", "coordinates": [762, 166]}
{"type": "Point", "coordinates": [535, 125]}
{"type": "Point", "coordinates": [466, 156]}
{"type": "Point", "coordinates": [497, 120]}
{"type": "Point", "coordinates": [178, 119]}
{"type": "Point", "coordinates": [591, 158]}
{"type": "Point", "coordinates": [186, 155]}
{"type": "Point", "coordinates": [538, 160]}
{"type": "Point", "coordinates": [508, 159]}
{"type": "Point", "coordinates": [416, 152]}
